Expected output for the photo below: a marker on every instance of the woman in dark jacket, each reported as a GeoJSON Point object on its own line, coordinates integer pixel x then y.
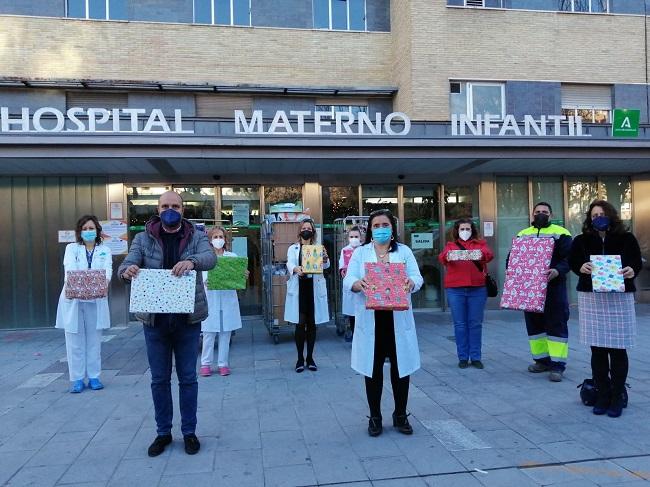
{"type": "Point", "coordinates": [607, 319]}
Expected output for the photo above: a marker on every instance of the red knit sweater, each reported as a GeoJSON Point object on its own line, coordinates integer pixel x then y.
{"type": "Point", "coordinates": [464, 273]}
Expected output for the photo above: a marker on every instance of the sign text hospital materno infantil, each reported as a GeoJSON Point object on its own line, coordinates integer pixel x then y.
{"type": "Point", "coordinates": [91, 120]}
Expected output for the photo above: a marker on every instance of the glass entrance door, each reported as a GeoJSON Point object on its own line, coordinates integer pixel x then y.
{"type": "Point", "coordinates": [422, 234]}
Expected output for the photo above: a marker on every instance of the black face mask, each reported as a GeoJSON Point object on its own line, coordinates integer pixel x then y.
{"type": "Point", "coordinates": [306, 234]}
{"type": "Point", "coordinates": [540, 221]}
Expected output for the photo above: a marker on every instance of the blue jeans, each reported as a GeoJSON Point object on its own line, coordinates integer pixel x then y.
{"type": "Point", "coordinates": [182, 339]}
{"type": "Point", "coordinates": [467, 305]}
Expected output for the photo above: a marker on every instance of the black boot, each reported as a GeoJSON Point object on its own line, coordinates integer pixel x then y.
{"type": "Point", "coordinates": [401, 424]}
{"type": "Point", "coordinates": [604, 397]}
{"type": "Point", "coordinates": [374, 425]}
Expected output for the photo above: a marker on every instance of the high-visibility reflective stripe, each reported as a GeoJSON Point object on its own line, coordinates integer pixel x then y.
{"type": "Point", "coordinates": [539, 347]}
{"type": "Point", "coordinates": [559, 351]}
{"type": "Point", "coordinates": [554, 231]}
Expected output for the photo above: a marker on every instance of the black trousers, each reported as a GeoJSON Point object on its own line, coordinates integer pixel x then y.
{"type": "Point", "coordinates": [385, 347]}
{"type": "Point", "coordinates": [306, 326]}
{"type": "Point", "coordinates": [609, 367]}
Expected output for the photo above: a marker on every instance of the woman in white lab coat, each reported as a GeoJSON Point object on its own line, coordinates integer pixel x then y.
{"type": "Point", "coordinates": [83, 321]}
{"type": "Point", "coordinates": [347, 308]}
{"type": "Point", "coordinates": [381, 334]}
{"type": "Point", "coordinates": [223, 314]}
{"type": "Point", "coordinates": [306, 301]}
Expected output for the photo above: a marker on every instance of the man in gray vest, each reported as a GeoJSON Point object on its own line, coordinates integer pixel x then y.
{"type": "Point", "coordinates": [172, 242]}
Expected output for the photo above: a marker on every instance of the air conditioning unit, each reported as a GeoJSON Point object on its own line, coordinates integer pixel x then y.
{"type": "Point", "coordinates": [475, 3]}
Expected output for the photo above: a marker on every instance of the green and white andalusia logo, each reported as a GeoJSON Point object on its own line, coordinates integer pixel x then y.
{"type": "Point", "coordinates": [625, 123]}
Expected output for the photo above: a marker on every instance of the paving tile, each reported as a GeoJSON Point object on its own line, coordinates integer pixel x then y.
{"type": "Point", "coordinates": [553, 474]}
{"type": "Point", "coordinates": [388, 468]}
{"type": "Point", "coordinates": [500, 478]}
{"type": "Point", "coordinates": [602, 472]}
{"type": "Point", "coordinates": [242, 468]}
{"type": "Point", "coordinates": [639, 466]}
{"type": "Point", "coordinates": [289, 476]}
{"type": "Point", "coordinates": [452, 480]}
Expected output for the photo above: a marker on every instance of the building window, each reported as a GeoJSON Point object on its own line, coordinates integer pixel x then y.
{"type": "Point", "coordinates": [591, 102]}
{"type": "Point", "coordinates": [97, 9]}
{"type": "Point", "coordinates": [472, 98]}
{"type": "Point", "coordinates": [593, 6]}
{"type": "Point", "coordinates": [334, 109]}
{"type": "Point", "coordinates": [222, 12]}
{"type": "Point", "coordinates": [340, 14]}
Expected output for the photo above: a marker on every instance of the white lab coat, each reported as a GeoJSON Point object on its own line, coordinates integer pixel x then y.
{"type": "Point", "coordinates": [292, 303]}
{"type": "Point", "coordinates": [223, 307]}
{"type": "Point", "coordinates": [347, 307]}
{"type": "Point", "coordinates": [67, 313]}
{"type": "Point", "coordinates": [406, 340]}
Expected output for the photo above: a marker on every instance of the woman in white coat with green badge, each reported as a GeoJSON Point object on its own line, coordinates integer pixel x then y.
{"type": "Point", "coordinates": [84, 320]}
{"type": "Point", "coordinates": [223, 314]}
{"type": "Point", "coordinates": [306, 301]}
{"type": "Point", "coordinates": [381, 334]}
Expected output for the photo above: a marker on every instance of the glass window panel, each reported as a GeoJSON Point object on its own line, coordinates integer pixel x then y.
{"type": "Point", "coordinates": [421, 215]}
{"type": "Point", "coordinates": [321, 14]}
{"type": "Point", "coordinates": [357, 14]}
{"type": "Point", "coordinates": [275, 195]}
{"type": "Point", "coordinates": [618, 191]}
{"type": "Point", "coordinates": [198, 203]}
{"type": "Point", "coordinates": [486, 100]}
{"type": "Point", "coordinates": [117, 10]}
{"type": "Point", "coordinates": [77, 9]}
{"type": "Point", "coordinates": [458, 101]}
{"type": "Point", "coordinates": [339, 14]}
{"type": "Point", "coordinates": [142, 204]}
{"type": "Point", "coordinates": [587, 114]}
{"type": "Point", "coordinates": [460, 202]}
{"type": "Point", "coordinates": [581, 5]}
{"type": "Point", "coordinates": [569, 112]}
{"type": "Point", "coordinates": [97, 9]}
{"type": "Point", "coordinates": [601, 116]}
{"type": "Point", "coordinates": [222, 12]}
{"type": "Point", "coordinates": [379, 197]}
{"type": "Point", "coordinates": [599, 6]}
{"type": "Point", "coordinates": [512, 215]}
{"type": "Point", "coordinates": [581, 192]}
{"type": "Point", "coordinates": [550, 190]}
{"type": "Point", "coordinates": [339, 202]}
{"type": "Point", "coordinates": [241, 12]}
{"type": "Point", "coordinates": [203, 11]}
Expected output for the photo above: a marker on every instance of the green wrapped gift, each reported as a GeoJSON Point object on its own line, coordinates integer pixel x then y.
{"type": "Point", "coordinates": [229, 273]}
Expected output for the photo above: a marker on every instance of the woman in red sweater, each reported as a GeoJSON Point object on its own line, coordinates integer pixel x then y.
{"type": "Point", "coordinates": [465, 256]}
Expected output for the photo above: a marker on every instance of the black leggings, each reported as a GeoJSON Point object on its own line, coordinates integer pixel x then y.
{"type": "Point", "coordinates": [385, 347]}
{"type": "Point", "coordinates": [305, 331]}
{"type": "Point", "coordinates": [609, 367]}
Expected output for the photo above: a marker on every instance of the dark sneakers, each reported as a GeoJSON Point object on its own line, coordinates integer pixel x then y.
{"type": "Point", "coordinates": [477, 364]}
{"type": "Point", "coordinates": [374, 425]}
{"type": "Point", "coordinates": [401, 424]}
{"type": "Point", "coordinates": [538, 367]}
{"type": "Point", "coordinates": [463, 364]}
{"type": "Point", "coordinates": [300, 366]}
{"type": "Point", "coordinates": [311, 365]}
{"type": "Point", "coordinates": [158, 445]}
{"type": "Point", "coordinates": [192, 445]}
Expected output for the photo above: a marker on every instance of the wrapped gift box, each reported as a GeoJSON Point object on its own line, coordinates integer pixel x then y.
{"type": "Point", "coordinates": [526, 279]}
{"type": "Point", "coordinates": [312, 259]}
{"type": "Point", "coordinates": [605, 277]}
{"type": "Point", "coordinates": [229, 273]}
{"type": "Point", "coordinates": [86, 284]}
{"type": "Point", "coordinates": [475, 254]}
{"type": "Point", "coordinates": [388, 289]}
{"type": "Point", "coordinates": [158, 291]}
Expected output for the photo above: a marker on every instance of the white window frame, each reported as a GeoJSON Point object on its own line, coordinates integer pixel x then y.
{"type": "Point", "coordinates": [593, 113]}
{"type": "Point", "coordinates": [87, 8]}
{"type": "Point", "coordinates": [333, 112]}
{"type": "Point", "coordinates": [469, 96]}
{"type": "Point", "coordinates": [232, 14]}
{"type": "Point", "coordinates": [347, 7]}
{"type": "Point", "coordinates": [573, 7]}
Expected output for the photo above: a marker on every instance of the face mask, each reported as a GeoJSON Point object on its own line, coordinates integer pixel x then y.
{"type": "Point", "coordinates": [306, 234]}
{"type": "Point", "coordinates": [218, 243]}
{"type": "Point", "coordinates": [355, 242]}
{"type": "Point", "coordinates": [465, 234]}
{"type": "Point", "coordinates": [382, 235]}
{"type": "Point", "coordinates": [170, 218]}
{"type": "Point", "coordinates": [540, 221]}
{"type": "Point", "coordinates": [600, 223]}
{"type": "Point", "coordinates": [88, 235]}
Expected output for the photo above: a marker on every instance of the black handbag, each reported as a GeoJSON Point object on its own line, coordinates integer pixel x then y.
{"type": "Point", "coordinates": [491, 285]}
{"type": "Point", "coordinates": [589, 393]}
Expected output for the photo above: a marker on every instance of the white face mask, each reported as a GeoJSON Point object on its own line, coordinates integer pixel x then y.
{"type": "Point", "coordinates": [465, 234]}
{"type": "Point", "coordinates": [355, 241]}
{"type": "Point", "coordinates": [218, 243]}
